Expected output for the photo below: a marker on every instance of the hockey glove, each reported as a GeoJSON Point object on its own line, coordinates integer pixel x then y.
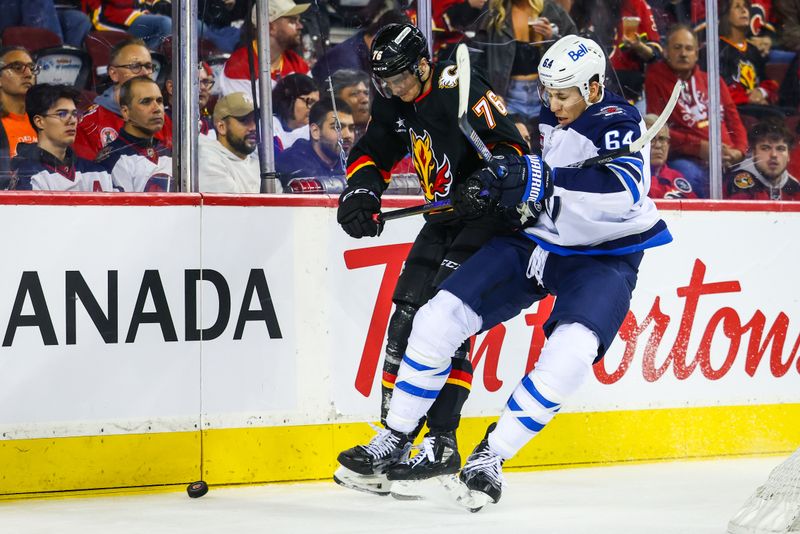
{"type": "Point", "coordinates": [357, 212]}
{"type": "Point", "coordinates": [527, 179]}
{"type": "Point", "coordinates": [469, 198]}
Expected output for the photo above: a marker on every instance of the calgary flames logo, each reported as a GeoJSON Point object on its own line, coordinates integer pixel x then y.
{"type": "Point", "coordinates": [434, 178]}
{"type": "Point", "coordinates": [747, 75]}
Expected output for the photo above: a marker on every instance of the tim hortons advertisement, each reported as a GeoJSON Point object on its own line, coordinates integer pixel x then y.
{"type": "Point", "coordinates": [714, 321]}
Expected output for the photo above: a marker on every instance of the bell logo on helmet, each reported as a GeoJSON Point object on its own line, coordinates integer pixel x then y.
{"type": "Point", "coordinates": [579, 53]}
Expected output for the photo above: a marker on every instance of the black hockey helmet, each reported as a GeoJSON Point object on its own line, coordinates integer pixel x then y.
{"type": "Point", "coordinates": [397, 48]}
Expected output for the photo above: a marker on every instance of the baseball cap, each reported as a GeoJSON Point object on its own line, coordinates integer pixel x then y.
{"type": "Point", "coordinates": [233, 105]}
{"type": "Point", "coordinates": [280, 8]}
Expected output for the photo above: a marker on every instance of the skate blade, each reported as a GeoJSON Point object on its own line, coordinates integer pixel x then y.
{"type": "Point", "coordinates": [407, 490]}
{"type": "Point", "coordinates": [472, 501]}
{"type": "Point", "coordinates": [373, 484]}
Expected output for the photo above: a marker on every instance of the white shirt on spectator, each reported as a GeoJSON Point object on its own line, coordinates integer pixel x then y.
{"type": "Point", "coordinates": [222, 171]}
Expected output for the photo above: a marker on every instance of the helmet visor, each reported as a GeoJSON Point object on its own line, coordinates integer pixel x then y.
{"type": "Point", "coordinates": [566, 97]}
{"type": "Point", "coordinates": [396, 85]}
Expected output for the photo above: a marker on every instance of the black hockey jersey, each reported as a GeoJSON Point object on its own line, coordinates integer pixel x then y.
{"type": "Point", "coordinates": [427, 129]}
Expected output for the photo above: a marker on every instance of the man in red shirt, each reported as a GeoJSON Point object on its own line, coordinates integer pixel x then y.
{"type": "Point", "coordinates": [764, 175]}
{"type": "Point", "coordinates": [665, 182]}
{"type": "Point", "coordinates": [689, 121]}
{"type": "Point", "coordinates": [103, 121]}
{"type": "Point", "coordinates": [284, 36]}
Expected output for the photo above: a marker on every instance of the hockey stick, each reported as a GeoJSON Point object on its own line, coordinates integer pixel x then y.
{"type": "Point", "coordinates": [463, 72]}
{"type": "Point", "coordinates": [476, 142]}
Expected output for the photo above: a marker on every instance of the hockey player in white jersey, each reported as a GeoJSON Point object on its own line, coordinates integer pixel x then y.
{"type": "Point", "coordinates": [584, 232]}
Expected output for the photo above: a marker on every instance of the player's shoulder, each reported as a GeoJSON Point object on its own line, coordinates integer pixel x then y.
{"type": "Point", "coordinates": [612, 113]}
{"type": "Point", "coordinates": [445, 76]}
{"type": "Point", "coordinates": [742, 180]}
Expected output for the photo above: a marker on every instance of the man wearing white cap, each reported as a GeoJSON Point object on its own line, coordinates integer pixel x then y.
{"type": "Point", "coordinates": [228, 164]}
{"type": "Point", "coordinates": [284, 36]}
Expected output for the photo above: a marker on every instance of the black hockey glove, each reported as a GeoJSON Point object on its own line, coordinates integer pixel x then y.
{"type": "Point", "coordinates": [469, 198]}
{"type": "Point", "coordinates": [357, 212]}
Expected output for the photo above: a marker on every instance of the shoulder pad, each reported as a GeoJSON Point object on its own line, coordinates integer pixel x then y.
{"type": "Point", "coordinates": [448, 77]}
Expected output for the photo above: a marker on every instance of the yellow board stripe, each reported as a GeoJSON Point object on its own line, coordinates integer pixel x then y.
{"type": "Point", "coordinates": [290, 453]}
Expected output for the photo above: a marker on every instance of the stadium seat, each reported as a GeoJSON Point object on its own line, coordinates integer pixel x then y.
{"type": "Point", "coordinates": [776, 71]}
{"type": "Point", "coordinates": [162, 67]}
{"type": "Point", "coordinates": [64, 65]}
{"type": "Point", "coordinates": [99, 45]}
{"type": "Point", "coordinates": [30, 37]}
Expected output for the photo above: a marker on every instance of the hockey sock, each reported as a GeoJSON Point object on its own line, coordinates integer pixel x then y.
{"type": "Point", "coordinates": [440, 327]}
{"type": "Point", "coordinates": [445, 413]}
{"type": "Point", "coordinates": [565, 362]}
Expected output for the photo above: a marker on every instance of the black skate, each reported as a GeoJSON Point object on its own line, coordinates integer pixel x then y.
{"type": "Point", "coordinates": [437, 455]}
{"type": "Point", "coordinates": [386, 449]}
{"type": "Point", "coordinates": [483, 470]}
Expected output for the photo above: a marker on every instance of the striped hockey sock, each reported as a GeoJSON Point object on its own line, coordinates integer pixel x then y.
{"type": "Point", "coordinates": [527, 412]}
{"type": "Point", "coordinates": [418, 383]}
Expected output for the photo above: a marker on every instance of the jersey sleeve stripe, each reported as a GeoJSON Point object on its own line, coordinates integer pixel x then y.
{"type": "Point", "coordinates": [627, 179]}
{"type": "Point", "coordinates": [364, 162]}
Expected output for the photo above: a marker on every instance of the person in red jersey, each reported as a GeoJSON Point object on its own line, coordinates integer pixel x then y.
{"type": "Point", "coordinates": [284, 37]}
{"type": "Point", "coordinates": [665, 182]}
{"type": "Point", "coordinates": [764, 175]}
{"type": "Point", "coordinates": [103, 121]}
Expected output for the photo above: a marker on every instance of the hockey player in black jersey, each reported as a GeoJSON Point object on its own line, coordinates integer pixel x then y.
{"type": "Point", "coordinates": [416, 113]}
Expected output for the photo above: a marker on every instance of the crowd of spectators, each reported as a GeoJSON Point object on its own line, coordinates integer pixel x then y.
{"type": "Point", "coordinates": [110, 128]}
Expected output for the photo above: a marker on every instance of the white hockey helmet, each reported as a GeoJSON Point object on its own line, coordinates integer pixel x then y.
{"type": "Point", "coordinates": [572, 62]}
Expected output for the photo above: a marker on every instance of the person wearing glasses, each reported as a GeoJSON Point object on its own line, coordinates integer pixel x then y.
{"type": "Point", "coordinates": [666, 182]}
{"type": "Point", "coordinates": [352, 86]}
{"type": "Point", "coordinates": [292, 98]}
{"type": "Point", "coordinates": [136, 159]}
{"type": "Point", "coordinates": [103, 120]}
{"type": "Point", "coordinates": [205, 78]}
{"type": "Point", "coordinates": [17, 76]}
{"type": "Point", "coordinates": [284, 39]}
{"type": "Point", "coordinates": [50, 164]}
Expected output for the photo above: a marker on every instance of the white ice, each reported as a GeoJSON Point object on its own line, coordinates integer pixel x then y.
{"type": "Point", "coordinates": [697, 497]}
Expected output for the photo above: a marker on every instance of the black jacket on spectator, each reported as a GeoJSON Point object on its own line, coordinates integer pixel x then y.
{"type": "Point", "coordinates": [5, 160]}
{"type": "Point", "coordinates": [349, 54]}
{"type": "Point", "coordinates": [213, 12]}
{"type": "Point", "coordinates": [300, 161]}
{"type": "Point", "coordinates": [500, 47]}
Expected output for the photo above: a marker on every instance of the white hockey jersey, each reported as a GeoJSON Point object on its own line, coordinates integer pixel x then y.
{"type": "Point", "coordinates": [138, 165]}
{"type": "Point", "coordinates": [36, 169]}
{"type": "Point", "coordinates": [603, 209]}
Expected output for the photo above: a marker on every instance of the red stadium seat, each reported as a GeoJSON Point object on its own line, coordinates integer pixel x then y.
{"type": "Point", "coordinates": [30, 37]}
{"type": "Point", "coordinates": [99, 45]}
{"type": "Point", "coordinates": [776, 71]}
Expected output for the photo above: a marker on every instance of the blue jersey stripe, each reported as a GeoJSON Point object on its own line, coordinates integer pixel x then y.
{"type": "Point", "coordinates": [629, 180]}
{"type": "Point", "coordinates": [528, 422]}
{"type": "Point", "coordinates": [658, 235]}
{"type": "Point", "coordinates": [417, 391]}
{"type": "Point", "coordinates": [527, 383]}
{"type": "Point", "coordinates": [419, 367]}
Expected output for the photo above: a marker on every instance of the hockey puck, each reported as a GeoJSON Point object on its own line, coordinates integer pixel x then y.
{"type": "Point", "coordinates": [197, 489]}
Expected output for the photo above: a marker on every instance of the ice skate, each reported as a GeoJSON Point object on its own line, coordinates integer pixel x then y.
{"type": "Point", "coordinates": [363, 466]}
{"type": "Point", "coordinates": [437, 455]}
{"type": "Point", "coordinates": [483, 470]}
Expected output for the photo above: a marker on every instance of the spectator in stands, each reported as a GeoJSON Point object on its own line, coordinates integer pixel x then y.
{"type": "Point", "coordinates": [292, 99]}
{"type": "Point", "coordinates": [148, 20]}
{"type": "Point", "coordinates": [50, 164]}
{"type": "Point", "coordinates": [216, 17]}
{"type": "Point", "coordinates": [36, 13]}
{"type": "Point", "coordinates": [17, 76]}
{"type": "Point", "coordinates": [321, 155]}
{"type": "Point", "coordinates": [284, 37]}
{"type": "Point", "coordinates": [136, 159]}
{"type": "Point", "coordinates": [228, 164]}
{"type": "Point", "coordinates": [689, 120]}
{"type": "Point", "coordinates": [764, 175]}
{"type": "Point", "coordinates": [741, 65]}
{"type": "Point", "coordinates": [636, 44]}
{"type": "Point", "coordinates": [522, 126]}
{"type": "Point", "coordinates": [514, 35]}
{"type": "Point", "coordinates": [788, 13]}
{"type": "Point", "coordinates": [75, 24]}
{"type": "Point", "coordinates": [102, 121]}
{"type": "Point", "coordinates": [665, 182]}
{"type": "Point", "coordinates": [353, 53]}
{"type": "Point", "coordinates": [205, 77]}
{"type": "Point", "coordinates": [352, 86]}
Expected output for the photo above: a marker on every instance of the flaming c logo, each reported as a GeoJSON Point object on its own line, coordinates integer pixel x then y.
{"type": "Point", "coordinates": [747, 75]}
{"type": "Point", "coordinates": [434, 178]}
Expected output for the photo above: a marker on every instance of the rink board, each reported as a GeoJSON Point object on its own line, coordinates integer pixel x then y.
{"type": "Point", "coordinates": [105, 382]}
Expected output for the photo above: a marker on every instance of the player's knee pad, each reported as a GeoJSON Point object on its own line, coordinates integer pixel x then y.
{"type": "Point", "coordinates": [441, 327]}
{"type": "Point", "coordinates": [399, 329]}
{"type": "Point", "coordinates": [566, 360]}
